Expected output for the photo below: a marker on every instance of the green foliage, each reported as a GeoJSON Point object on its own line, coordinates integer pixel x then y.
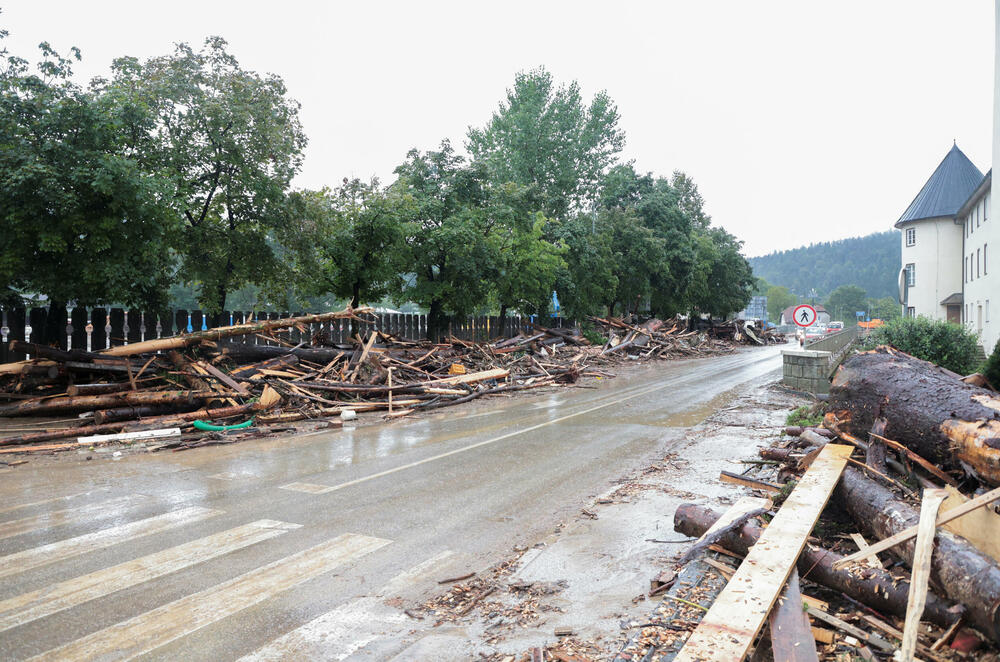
{"type": "Point", "coordinates": [991, 369]}
{"type": "Point", "coordinates": [948, 345]}
{"type": "Point", "coordinates": [82, 222]}
{"type": "Point", "coordinates": [886, 309]}
{"type": "Point", "coordinates": [871, 262]}
{"type": "Point", "coordinates": [546, 139]}
{"type": "Point", "coordinates": [359, 240]}
{"type": "Point", "coordinates": [230, 142]}
{"type": "Point", "coordinates": [807, 416]}
{"type": "Point", "coordinates": [778, 298]}
{"type": "Point", "coordinates": [588, 281]}
{"type": "Point", "coordinates": [845, 301]}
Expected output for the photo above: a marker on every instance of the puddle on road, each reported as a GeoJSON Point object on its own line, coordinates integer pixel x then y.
{"type": "Point", "coordinates": [696, 414]}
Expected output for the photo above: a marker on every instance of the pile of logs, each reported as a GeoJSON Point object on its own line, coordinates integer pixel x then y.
{"type": "Point", "coordinates": [198, 382]}
{"type": "Point", "coordinates": [672, 339]}
{"type": "Point", "coordinates": [921, 488]}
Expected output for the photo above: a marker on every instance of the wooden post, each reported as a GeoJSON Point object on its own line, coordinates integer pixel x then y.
{"type": "Point", "coordinates": [133, 320]}
{"type": "Point", "coordinates": [98, 332]}
{"type": "Point", "coordinates": [117, 317]}
{"type": "Point", "coordinates": [78, 338]}
{"type": "Point", "coordinates": [923, 549]}
{"type": "Point", "coordinates": [390, 389]}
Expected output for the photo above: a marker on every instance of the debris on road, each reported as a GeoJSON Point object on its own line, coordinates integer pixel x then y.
{"type": "Point", "coordinates": [908, 425]}
{"type": "Point", "coordinates": [218, 387]}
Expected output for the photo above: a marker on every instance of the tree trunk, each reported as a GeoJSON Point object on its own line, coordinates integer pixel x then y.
{"type": "Point", "coordinates": [40, 406]}
{"type": "Point", "coordinates": [503, 315]}
{"type": "Point", "coordinates": [926, 408]}
{"type": "Point", "coordinates": [435, 321]}
{"type": "Point", "coordinates": [872, 586]}
{"type": "Point", "coordinates": [242, 353]}
{"type": "Point", "coordinates": [958, 570]}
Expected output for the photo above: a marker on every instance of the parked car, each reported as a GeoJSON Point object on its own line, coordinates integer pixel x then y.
{"type": "Point", "coordinates": [834, 327]}
{"type": "Point", "coordinates": [815, 331]}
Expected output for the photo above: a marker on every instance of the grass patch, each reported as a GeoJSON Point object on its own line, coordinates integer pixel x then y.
{"type": "Point", "coordinates": [806, 416]}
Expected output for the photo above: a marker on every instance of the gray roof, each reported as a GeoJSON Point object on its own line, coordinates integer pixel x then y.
{"type": "Point", "coordinates": [951, 184]}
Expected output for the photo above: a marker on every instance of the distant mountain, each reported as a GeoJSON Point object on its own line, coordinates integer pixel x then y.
{"type": "Point", "coordinates": [871, 262]}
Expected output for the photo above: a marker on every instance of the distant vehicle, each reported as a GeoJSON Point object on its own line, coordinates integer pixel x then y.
{"type": "Point", "coordinates": [833, 327]}
{"type": "Point", "coordinates": [815, 331]}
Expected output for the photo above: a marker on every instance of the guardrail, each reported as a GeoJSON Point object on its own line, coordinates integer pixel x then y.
{"type": "Point", "coordinates": [809, 369]}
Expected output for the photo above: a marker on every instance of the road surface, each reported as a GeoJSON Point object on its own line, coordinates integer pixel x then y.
{"type": "Point", "coordinates": [291, 548]}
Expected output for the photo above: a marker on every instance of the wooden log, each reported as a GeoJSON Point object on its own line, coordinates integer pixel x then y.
{"type": "Point", "coordinates": [102, 416]}
{"type": "Point", "coordinates": [871, 586]}
{"type": "Point", "coordinates": [959, 570]}
{"type": "Point", "coordinates": [74, 390]}
{"type": "Point", "coordinates": [240, 352]}
{"type": "Point", "coordinates": [926, 408]}
{"type": "Point", "coordinates": [42, 407]}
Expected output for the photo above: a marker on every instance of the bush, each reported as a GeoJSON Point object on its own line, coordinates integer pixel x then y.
{"type": "Point", "coordinates": [991, 369]}
{"type": "Point", "coordinates": [806, 416]}
{"type": "Point", "coordinates": [948, 345]}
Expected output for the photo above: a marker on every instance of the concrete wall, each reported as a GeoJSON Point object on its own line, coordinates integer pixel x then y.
{"type": "Point", "coordinates": [937, 256]}
{"type": "Point", "coordinates": [807, 370]}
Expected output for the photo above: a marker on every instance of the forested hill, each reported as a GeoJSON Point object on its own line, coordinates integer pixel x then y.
{"type": "Point", "coordinates": [870, 262]}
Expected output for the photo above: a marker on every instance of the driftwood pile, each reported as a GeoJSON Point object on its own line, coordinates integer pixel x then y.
{"type": "Point", "coordinates": [908, 547]}
{"type": "Point", "coordinates": [673, 339]}
{"type": "Point", "coordinates": [194, 389]}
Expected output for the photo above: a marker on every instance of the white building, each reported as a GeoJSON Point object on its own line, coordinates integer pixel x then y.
{"type": "Point", "coordinates": [949, 238]}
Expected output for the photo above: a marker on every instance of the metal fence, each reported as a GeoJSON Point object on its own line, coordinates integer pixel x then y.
{"type": "Point", "coordinates": [95, 329]}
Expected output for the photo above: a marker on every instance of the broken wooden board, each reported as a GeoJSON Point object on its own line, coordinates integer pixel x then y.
{"type": "Point", "coordinates": [981, 527]}
{"type": "Point", "coordinates": [745, 481]}
{"type": "Point", "coordinates": [862, 544]}
{"type": "Point", "coordinates": [926, 529]}
{"type": "Point", "coordinates": [730, 626]}
{"type": "Point", "coordinates": [791, 634]}
{"type": "Point", "coordinates": [906, 534]}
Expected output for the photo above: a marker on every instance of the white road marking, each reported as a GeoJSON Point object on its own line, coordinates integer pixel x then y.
{"type": "Point", "coordinates": [56, 518]}
{"type": "Point", "coordinates": [320, 489]}
{"type": "Point", "coordinates": [349, 627]}
{"type": "Point", "coordinates": [70, 593]}
{"type": "Point", "coordinates": [38, 503]}
{"type": "Point", "coordinates": [64, 549]}
{"type": "Point", "coordinates": [417, 572]}
{"type": "Point", "coordinates": [152, 629]}
{"type": "Point", "coordinates": [230, 475]}
{"type": "Point", "coordinates": [309, 488]}
{"type": "Point", "coordinates": [334, 635]}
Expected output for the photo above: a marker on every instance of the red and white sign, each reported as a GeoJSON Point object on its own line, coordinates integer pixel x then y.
{"type": "Point", "coordinates": [804, 315]}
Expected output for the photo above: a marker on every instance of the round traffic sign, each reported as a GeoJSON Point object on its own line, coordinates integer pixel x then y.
{"type": "Point", "coordinates": [804, 315]}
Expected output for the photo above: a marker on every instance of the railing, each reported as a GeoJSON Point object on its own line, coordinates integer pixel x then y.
{"type": "Point", "coordinates": [94, 329]}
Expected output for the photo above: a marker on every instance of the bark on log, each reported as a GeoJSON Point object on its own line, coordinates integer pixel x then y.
{"type": "Point", "coordinates": [872, 586]}
{"type": "Point", "coordinates": [242, 353]}
{"type": "Point", "coordinates": [102, 416]}
{"type": "Point", "coordinates": [939, 417]}
{"type": "Point", "coordinates": [958, 570]}
{"type": "Point", "coordinates": [41, 407]}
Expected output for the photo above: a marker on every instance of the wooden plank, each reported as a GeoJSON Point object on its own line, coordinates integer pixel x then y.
{"type": "Point", "coordinates": [791, 635]}
{"type": "Point", "coordinates": [847, 628]}
{"type": "Point", "coordinates": [222, 377]}
{"type": "Point", "coordinates": [470, 378]}
{"type": "Point", "coordinates": [906, 534]}
{"type": "Point", "coordinates": [924, 547]}
{"type": "Point", "coordinates": [730, 626]}
{"type": "Point", "coordinates": [736, 479]}
{"type": "Point", "coordinates": [980, 527]}
{"type": "Point", "coordinates": [862, 544]}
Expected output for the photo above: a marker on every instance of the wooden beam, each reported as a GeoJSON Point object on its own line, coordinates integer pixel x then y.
{"type": "Point", "coordinates": [862, 544]}
{"type": "Point", "coordinates": [924, 547]}
{"type": "Point", "coordinates": [730, 626]}
{"type": "Point", "coordinates": [737, 479]}
{"type": "Point", "coordinates": [906, 534]}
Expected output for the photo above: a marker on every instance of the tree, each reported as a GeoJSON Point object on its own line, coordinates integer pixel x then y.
{"type": "Point", "coordinates": [589, 275]}
{"type": "Point", "coordinates": [722, 281]}
{"type": "Point", "coordinates": [360, 240]}
{"type": "Point", "coordinates": [544, 138]}
{"type": "Point", "coordinates": [845, 301]}
{"type": "Point", "coordinates": [82, 222]}
{"type": "Point", "coordinates": [230, 141]}
{"type": "Point", "coordinates": [638, 259]}
{"type": "Point", "coordinates": [528, 266]}
{"type": "Point", "coordinates": [448, 246]}
{"type": "Point", "coordinates": [886, 308]}
{"type": "Point", "coordinates": [779, 298]}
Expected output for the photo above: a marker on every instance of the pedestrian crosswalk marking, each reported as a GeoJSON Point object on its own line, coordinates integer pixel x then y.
{"type": "Point", "coordinates": [70, 547]}
{"type": "Point", "coordinates": [334, 635]}
{"type": "Point", "coordinates": [56, 518]}
{"type": "Point", "coordinates": [72, 592]}
{"type": "Point", "coordinates": [152, 629]}
{"type": "Point", "coordinates": [349, 627]}
{"type": "Point", "coordinates": [38, 503]}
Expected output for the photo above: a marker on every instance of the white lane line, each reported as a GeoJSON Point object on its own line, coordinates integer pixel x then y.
{"type": "Point", "coordinates": [72, 592]}
{"type": "Point", "coordinates": [349, 627]}
{"type": "Point", "coordinates": [56, 518]}
{"type": "Point", "coordinates": [334, 635]}
{"type": "Point", "coordinates": [64, 549]}
{"type": "Point", "coordinates": [309, 488]}
{"type": "Point", "coordinates": [388, 472]}
{"type": "Point", "coordinates": [38, 503]}
{"type": "Point", "coordinates": [417, 572]}
{"type": "Point", "coordinates": [229, 475]}
{"type": "Point", "coordinates": [152, 629]}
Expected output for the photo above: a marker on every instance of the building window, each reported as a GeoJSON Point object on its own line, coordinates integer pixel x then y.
{"type": "Point", "coordinates": [977, 263]}
{"type": "Point", "coordinates": [987, 310]}
{"type": "Point", "coordinates": [911, 236]}
{"type": "Point", "coordinates": [965, 269]}
{"type": "Point", "coordinates": [911, 311]}
{"type": "Point", "coordinates": [977, 216]}
{"type": "Point", "coordinates": [984, 260]}
{"type": "Point", "coordinates": [911, 275]}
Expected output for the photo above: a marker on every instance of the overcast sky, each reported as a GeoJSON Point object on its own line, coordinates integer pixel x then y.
{"type": "Point", "coordinates": [800, 121]}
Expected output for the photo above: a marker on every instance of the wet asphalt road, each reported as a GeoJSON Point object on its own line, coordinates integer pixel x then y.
{"type": "Point", "coordinates": [225, 552]}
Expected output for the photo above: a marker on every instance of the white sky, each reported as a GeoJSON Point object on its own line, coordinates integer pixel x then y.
{"type": "Point", "coordinates": [800, 121]}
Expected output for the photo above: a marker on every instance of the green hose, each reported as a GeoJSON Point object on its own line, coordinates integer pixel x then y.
{"type": "Point", "coordinates": [202, 425]}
